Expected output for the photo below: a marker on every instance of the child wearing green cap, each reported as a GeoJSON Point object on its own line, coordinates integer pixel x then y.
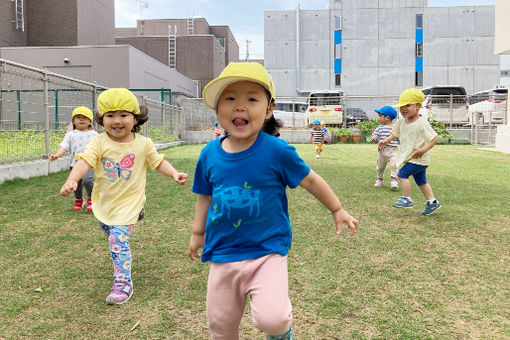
{"type": "Point", "coordinates": [119, 157]}
{"type": "Point", "coordinates": [241, 218]}
{"type": "Point", "coordinates": [416, 137]}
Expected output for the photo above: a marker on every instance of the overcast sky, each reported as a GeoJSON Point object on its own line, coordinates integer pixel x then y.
{"type": "Point", "coordinates": [245, 18]}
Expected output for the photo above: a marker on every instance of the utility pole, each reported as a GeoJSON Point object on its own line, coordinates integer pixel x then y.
{"type": "Point", "coordinates": [247, 50]}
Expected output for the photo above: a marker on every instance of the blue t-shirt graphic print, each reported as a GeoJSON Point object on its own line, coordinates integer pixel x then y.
{"type": "Point", "coordinates": [248, 217]}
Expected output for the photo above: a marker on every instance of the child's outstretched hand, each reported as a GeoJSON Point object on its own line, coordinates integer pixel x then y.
{"type": "Point", "coordinates": [196, 243]}
{"type": "Point", "coordinates": [418, 152]}
{"type": "Point", "coordinates": [180, 177]}
{"type": "Point", "coordinates": [69, 186]}
{"type": "Point", "coordinates": [341, 216]}
{"type": "Point", "coordinates": [373, 139]}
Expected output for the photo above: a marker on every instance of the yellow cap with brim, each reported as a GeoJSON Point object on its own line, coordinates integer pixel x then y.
{"type": "Point", "coordinates": [410, 96]}
{"type": "Point", "coordinates": [84, 111]}
{"type": "Point", "coordinates": [234, 72]}
{"type": "Point", "coordinates": [117, 99]}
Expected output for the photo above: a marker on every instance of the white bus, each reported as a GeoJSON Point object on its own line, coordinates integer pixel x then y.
{"type": "Point", "coordinates": [325, 106]}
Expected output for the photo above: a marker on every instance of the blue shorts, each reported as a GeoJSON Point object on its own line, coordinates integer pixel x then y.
{"type": "Point", "coordinates": [417, 171]}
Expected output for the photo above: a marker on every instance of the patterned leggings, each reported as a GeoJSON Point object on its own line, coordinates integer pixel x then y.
{"type": "Point", "coordinates": [118, 239]}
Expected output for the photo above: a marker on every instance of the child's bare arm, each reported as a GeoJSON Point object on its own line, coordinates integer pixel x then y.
{"type": "Point", "coordinates": [418, 152]}
{"type": "Point", "coordinates": [386, 141]}
{"type": "Point", "coordinates": [165, 168]}
{"type": "Point", "coordinates": [198, 237]}
{"type": "Point", "coordinates": [79, 170]}
{"type": "Point", "coordinates": [57, 154]}
{"type": "Point", "coordinates": [318, 187]}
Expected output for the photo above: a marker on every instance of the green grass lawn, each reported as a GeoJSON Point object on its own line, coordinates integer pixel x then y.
{"type": "Point", "coordinates": [402, 276]}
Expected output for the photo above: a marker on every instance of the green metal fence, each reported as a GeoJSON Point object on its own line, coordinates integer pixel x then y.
{"type": "Point", "coordinates": [36, 108]}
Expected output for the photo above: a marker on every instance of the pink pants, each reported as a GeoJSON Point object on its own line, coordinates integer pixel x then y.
{"type": "Point", "coordinates": [265, 280]}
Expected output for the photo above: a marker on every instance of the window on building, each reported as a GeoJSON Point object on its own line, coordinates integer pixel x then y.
{"type": "Point", "coordinates": [418, 81]}
{"type": "Point", "coordinates": [338, 51]}
{"type": "Point", "coordinates": [419, 50]}
{"type": "Point", "coordinates": [338, 23]}
{"type": "Point", "coordinates": [221, 41]}
{"type": "Point", "coordinates": [338, 79]}
{"type": "Point", "coordinates": [419, 20]}
{"type": "Point", "coordinates": [505, 73]}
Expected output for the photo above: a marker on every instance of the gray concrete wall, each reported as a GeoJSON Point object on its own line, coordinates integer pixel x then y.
{"type": "Point", "coordinates": [378, 47]}
{"type": "Point", "coordinates": [146, 72]}
{"type": "Point", "coordinates": [110, 66]}
{"type": "Point", "coordinates": [44, 167]}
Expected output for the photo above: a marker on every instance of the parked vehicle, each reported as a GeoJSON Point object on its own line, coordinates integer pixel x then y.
{"type": "Point", "coordinates": [446, 104]}
{"type": "Point", "coordinates": [354, 115]}
{"type": "Point", "coordinates": [488, 106]}
{"type": "Point", "coordinates": [292, 113]}
{"type": "Point", "coordinates": [326, 106]}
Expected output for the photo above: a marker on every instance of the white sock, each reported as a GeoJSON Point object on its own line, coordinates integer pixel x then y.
{"type": "Point", "coordinates": [433, 200]}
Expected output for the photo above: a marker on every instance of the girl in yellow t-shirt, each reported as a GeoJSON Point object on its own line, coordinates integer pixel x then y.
{"type": "Point", "coordinates": [119, 157]}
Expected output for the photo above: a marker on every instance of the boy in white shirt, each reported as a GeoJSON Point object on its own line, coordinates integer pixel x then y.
{"type": "Point", "coordinates": [417, 137]}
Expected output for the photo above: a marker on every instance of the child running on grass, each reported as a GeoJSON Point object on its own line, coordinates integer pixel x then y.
{"type": "Point", "coordinates": [388, 153]}
{"type": "Point", "coordinates": [119, 157]}
{"type": "Point", "coordinates": [241, 218]}
{"type": "Point", "coordinates": [416, 137]}
{"type": "Point", "coordinates": [317, 136]}
{"type": "Point", "coordinates": [75, 142]}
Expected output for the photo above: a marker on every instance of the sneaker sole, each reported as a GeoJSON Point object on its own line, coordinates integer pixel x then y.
{"type": "Point", "coordinates": [400, 206]}
{"type": "Point", "coordinates": [111, 303]}
{"type": "Point", "coordinates": [433, 211]}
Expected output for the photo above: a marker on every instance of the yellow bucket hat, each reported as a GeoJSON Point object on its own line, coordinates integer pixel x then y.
{"type": "Point", "coordinates": [84, 111]}
{"type": "Point", "coordinates": [117, 99]}
{"type": "Point", "coordinates": [234, 72]}
{"type": "Point", "coordinates": [410, 96]}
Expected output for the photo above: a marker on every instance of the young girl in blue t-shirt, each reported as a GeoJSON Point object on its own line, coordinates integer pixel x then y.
{"type": "Point", "coordinates": [241, 218]}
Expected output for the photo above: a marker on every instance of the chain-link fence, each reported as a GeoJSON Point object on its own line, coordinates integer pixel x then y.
{"type": "Point", "coordinates": [36, 108]}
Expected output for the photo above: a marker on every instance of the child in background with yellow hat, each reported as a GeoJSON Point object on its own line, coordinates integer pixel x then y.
{"type": "Point", "coordinates": [241, 219]}
{"type": "Point", "coordinates": [416, 137]}
{"type": "Point", "coordinates": [75, 142]}
{"type": "Point", "coordinates": [119, 157]}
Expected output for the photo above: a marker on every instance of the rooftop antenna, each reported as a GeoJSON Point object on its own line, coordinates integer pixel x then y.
{"type": "Point", "coordinates": [247, 49]}
{"type": "Point", "coordinates": [144, 4]}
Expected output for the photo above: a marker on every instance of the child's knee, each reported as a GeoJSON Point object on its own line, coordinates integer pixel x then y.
{"type": "Point", "coordinates": [224, 328]}
{"type": "Point", "coordinates": [273, 323]}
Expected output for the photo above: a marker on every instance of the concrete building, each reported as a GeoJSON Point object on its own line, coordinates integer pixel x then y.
{"type": "Point", "coordinates": [502, 46]}
{"type": "Point", "coordinates": [110, 66]}
{"type": "Point", "coordinates": [380, 47]}
{"type": "Point", "coordinates": [57, 22]}
{"type": "Point", "coordinates": [191, 46]}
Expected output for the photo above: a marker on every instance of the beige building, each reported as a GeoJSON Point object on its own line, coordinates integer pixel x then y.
{"type": "Point", "coordinates": [191, 46]}
{"type": "Point", "coordinates": [502, 46]}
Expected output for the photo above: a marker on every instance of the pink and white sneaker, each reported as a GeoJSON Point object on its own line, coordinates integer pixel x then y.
{"type": "Point", "coordinates": [394, 184]}
{"type": "Point", "coordinates": [378, 183]}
